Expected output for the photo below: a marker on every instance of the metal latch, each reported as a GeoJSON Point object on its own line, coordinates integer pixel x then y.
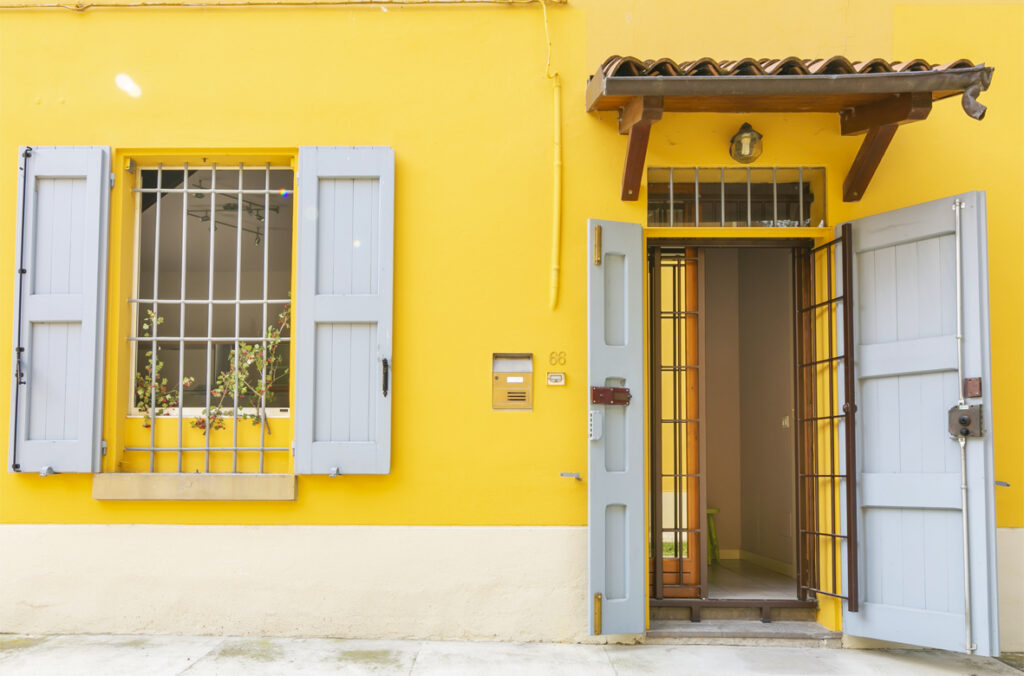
{"type": "Point", "coordinates": [965, 421]}
{"type": "Point", "coordinates": [595, 425]}
{"type": "Point", "coordinates": [612, 396]}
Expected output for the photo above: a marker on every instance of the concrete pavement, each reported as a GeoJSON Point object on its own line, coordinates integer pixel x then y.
{"type": "Point", "coordinates": [204, 655]}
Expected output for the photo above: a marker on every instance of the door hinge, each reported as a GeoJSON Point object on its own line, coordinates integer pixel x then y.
{"type": "Point", "coordinates": [597, 245]}
{"type": "Point", "coordinates": [965, 421]}
{"type": "Point", "coordinates": [103, 448]}
{"type": "Point", "coordinates": [611, 396]}
{"type": "Point", "coordinates": [597, 614]}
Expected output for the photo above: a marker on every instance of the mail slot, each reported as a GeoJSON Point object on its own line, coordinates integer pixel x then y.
{"type": "Point", "coordinates": [512, 380]}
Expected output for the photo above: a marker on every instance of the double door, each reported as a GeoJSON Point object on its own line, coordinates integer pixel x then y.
{"type": "Point", "coordinates": [894, 323]}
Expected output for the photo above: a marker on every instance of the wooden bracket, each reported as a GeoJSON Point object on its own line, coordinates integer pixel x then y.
{"type": "Point", "coordinates": [864, 165]}
{"type": "Point", "coordinates": [878, 121]}
{"type": "Point", "coordinates": [898, 109]}
{"type": "Point", "coordinates": [635, 119]}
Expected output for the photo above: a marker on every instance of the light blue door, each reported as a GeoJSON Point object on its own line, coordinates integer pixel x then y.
{"type": "Point", "coordinates": [616, 536]}
{"type": "Point", "coordinates": [916, 585]}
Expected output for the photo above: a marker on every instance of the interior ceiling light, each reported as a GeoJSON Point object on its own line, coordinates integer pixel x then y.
{"type": "Point", "coordinates": [745, 145]}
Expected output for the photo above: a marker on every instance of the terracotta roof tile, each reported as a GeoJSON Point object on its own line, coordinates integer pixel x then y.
{"type": "Point", "coordinates": [629, 66]}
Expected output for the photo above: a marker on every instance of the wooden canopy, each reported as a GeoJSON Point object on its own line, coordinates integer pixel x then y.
{"type": "Point", "coordinates": [871, 98]}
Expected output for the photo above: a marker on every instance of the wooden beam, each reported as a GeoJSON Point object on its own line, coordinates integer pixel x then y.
{"type": "Point", "coordinates": [635, 119]}
{"type": "Point", "coordinates": [636, 155]}
{"type": "Point", "coordinates": [898, 109]}
{"type": "Point", "coordinates": [640, 110]}
{"type": "Point", "coordinates": [864, 165]}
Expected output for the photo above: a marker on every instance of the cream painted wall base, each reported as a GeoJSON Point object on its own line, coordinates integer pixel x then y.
{"type": "Point", "coordinates": [1010, 545]}
{"type": "Point", "coordinates": [477, 583]}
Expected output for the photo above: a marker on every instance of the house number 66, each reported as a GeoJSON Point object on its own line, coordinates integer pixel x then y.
{"type": "Point", "coordinates": [556, 358]}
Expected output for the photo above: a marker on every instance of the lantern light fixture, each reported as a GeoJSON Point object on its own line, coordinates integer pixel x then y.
{"type": "Point", "coordinates": [745, 145]}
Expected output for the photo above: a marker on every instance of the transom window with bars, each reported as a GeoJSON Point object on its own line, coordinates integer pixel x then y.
{"type": "Point", "coordinates": [736, 197]}
{"type": "Point", "coordinates": [212, 317]}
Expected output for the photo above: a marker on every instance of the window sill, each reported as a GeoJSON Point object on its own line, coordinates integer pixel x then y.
{"type": "Point", "coordinates": [236, 487]}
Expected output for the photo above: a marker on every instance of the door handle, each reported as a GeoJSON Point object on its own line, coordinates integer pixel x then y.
{"type": "Point", "coordinates": [384, 373]}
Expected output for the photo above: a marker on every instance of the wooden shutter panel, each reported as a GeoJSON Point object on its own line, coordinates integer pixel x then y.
{"type": "Point", "coordinates": [59, 309]}
{"type": "Point", "coordinates": [616, 535]}
{"type": "Point", "coordinates": [343, 310]}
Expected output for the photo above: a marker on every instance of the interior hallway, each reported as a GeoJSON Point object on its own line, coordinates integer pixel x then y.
{"type": "Point", "coordinates": [739, 579]}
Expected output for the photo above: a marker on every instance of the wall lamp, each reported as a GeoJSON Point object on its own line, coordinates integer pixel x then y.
{"type": "Point", "coordinates": [745, 145]}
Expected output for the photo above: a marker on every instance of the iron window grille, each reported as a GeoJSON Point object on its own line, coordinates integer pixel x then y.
{"type": "Point", "coordinates": [212, 280]}
{"type": "Point", "coordinates": [736, 197]}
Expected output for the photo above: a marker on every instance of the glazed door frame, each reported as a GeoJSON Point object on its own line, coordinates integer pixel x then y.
{"type": "Point", "coordinates": [695, 563]}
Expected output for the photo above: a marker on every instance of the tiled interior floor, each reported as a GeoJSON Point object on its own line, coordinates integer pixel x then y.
{"type": "Point", "coordinates": [738, 579]}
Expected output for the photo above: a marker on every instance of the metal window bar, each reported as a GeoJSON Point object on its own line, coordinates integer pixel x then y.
{"type": "Point", "coordinates": [696, 196]}
{"type": "Point", "coordinates": [181, 318]}
{"type": "Point", "coordinates": [155, 340]}
{"type": "Point", "coordinates": [721, 193]}
{"type": "Point", "coordinates": [679, 205]}
{"type": "Point", "coordinates": [748, 197]}
{"type": "Point", "coordinates": [775, 197]}
{"type": "Point", "coordinates": [821, 534]}
{"type": "Point", "coordinates": [266, 293]}
{"type": "Point", "coordinates": [208, 432]}
{"type": "Point", "coordinates": [671, 197]}
{"type": "Point", "coordinates": [153, 320]}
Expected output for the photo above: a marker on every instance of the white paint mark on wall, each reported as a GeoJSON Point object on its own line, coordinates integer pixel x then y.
{"type": "Point", "coordinates": [126, 84]}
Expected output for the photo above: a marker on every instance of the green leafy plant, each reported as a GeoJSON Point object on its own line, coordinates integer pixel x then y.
{"type": "Point", "coordinates": [253, 371]}
{"type": "Point", "coordinates": [152, 396]}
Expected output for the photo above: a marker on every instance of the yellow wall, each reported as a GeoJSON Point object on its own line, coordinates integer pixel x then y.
{"type": "Point", "coordinates": [460, 94]}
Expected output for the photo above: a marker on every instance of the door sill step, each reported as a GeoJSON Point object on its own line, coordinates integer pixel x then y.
{"type": "Point", "coordinates": [743, 632]}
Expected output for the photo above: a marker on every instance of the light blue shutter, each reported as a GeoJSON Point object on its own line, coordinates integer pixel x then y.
{"type": "Point", "coordinates": [912, 570]}
{"type": "Point", "coordinates": [616, 538]}
{"type": "Point", "coordinates": [343, 310]}
{"type": "Point", "coordinates": [59, 309]}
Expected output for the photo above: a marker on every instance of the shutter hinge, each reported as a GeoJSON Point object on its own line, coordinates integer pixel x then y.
{"type": "Point", "coordinates": [103, 448]}
{"type": "Point", "coordinates": [112, 179]}
{"type": "Point", "coordinates": [19, 371]}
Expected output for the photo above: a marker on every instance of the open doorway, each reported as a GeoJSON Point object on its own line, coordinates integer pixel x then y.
{"type": "Point", "coordinates": [726, 429]}
{"type": "Point", "coordinates": [749, 390]}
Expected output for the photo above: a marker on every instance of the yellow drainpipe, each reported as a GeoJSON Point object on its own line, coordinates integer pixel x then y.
{"type": "Point", "coordinates": [556, 196]}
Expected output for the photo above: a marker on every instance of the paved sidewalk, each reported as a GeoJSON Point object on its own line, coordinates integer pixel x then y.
{"type": "Point", "coordinates": [200, 655]}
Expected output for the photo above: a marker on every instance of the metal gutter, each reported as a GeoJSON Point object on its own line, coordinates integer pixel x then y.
{"type": "Point", "coordinates": [971, 81]}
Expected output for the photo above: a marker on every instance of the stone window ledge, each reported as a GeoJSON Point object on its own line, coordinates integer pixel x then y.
{"type": "Point", "coordinates": [235, 487]}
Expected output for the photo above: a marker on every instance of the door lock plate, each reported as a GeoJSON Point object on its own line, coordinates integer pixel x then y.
{"type": "Point", "coordinates": [612, 396]}
{"type": "Point", "coordinates": [965, 421]}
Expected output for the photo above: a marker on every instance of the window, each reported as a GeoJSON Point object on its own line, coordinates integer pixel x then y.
{"type": "Point", "coordinates": [736, 197]}
{"type": "Point", "coordinates": [211, 314]}
{"type": "Point", "coordinates": [204, 367]}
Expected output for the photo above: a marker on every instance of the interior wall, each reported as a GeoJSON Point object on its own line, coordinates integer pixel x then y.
{"type": "Point", "coordinates": [767, 482]}
{"type": "Point", "coordinates": [722, 392]}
